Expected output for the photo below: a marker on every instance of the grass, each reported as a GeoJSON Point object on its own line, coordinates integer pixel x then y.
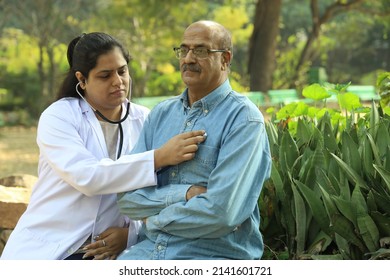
{"type": "Point", "coordinates": [18, 151]}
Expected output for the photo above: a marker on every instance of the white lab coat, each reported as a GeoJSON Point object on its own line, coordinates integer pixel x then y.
{"type": "Point", "coordinates": [75, 195]}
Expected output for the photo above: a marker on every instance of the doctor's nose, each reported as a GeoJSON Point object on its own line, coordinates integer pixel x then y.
{"type": "Point", "coordinates": [117, 80]}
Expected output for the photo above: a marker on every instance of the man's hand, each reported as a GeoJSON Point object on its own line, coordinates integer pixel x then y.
{"type": "Point", "coordinates": [191, 192]}
{"type": "Point", "coordinates": [194, 191]}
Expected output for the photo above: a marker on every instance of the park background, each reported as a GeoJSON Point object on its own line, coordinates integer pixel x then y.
{"type": "Point", "coordinates": [280, 48]}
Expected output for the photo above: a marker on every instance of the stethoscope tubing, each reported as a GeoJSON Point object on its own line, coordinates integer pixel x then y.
{"type": "Point", "coordinates": [119, 123]}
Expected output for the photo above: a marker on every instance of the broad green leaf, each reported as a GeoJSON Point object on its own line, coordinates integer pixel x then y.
{"type": "Point", "coordinates": [315, 92]}
{"type": "Point", "coordinates": [273, 138]}
{"type": "Point", "coordinates": [369, 232]}
{"type": "Point", "coordinates": [346, 208]}
{"type": "Point", "coordinates": [382, 77]}
{"type": "Point", "coordinates": [351, 174]}
{"type": "Point", "coordinates": [330, 141]}
{"type": "Point", "coordinates": [335, 257]}
{"type": "Point", "coordinates": [300, 220]}
{"type": "Point", "coordinates": [278, 184]}
{"type": "Point", "coordinates": [289, 224]}
{"type": "Point", "coordinates": [312, 112]}
{"type": "Point", "coordinates": [367, 158]}
{"type": "Point", "coordinates": [343, 246]}
{"type": "Point", "coordinates": [288, 152]}
{"type": "Point", "coordinates": [382, 201]}
{"type": "Point", "coordinates": [330, 206]}
{"type": "Point", "coordinates": [303, 132]}
{"type": "Point", "coordinates": [386, 159]}
{"type": "Point", "coordinates": [374, 119]}
{"type": "Point", "coordinates": [320, 242]}
{"type": "Point", "coordinates": [383, 138]}
{"type": "Point", "coordinates": [286, 111]}
{"type": "Point", "coordinates": [317, 140]}
{"type": "Point", "coordinates": [272, 133]}
{"type": "Point", "coordinates": [375, 150]}
{"type": "Point", "coordinates": [323, 180]}
{"type": "Point", "coordinates": [380, 254]}
{"type": "Point", "coordinates": [382, 221]}
{"type": "Point", "coordinates": [343, 227]}
{"type": "Point", "coordinates": [358, 202]}
{"type": "Point", "coordinates": [306, 164]}
{"type": "Point", "coordinates": [350, 152]}
{"type": "Point", "coordinates": [371, 205]}
{"type": "Point", "coordinates": [316, 161]}
{"type": "Point", "coordinates": [316, 205]}
{"type": "Point", "coordinates": [336, 184]}
{"type": "Point", "coordinates": [385, 174]}
{"type": "Point", "coordinates": [341, 87]}
{"type": "Point", "coordinates": [301, 109]}
{"type": "Point", "coordinates": [349, 101]}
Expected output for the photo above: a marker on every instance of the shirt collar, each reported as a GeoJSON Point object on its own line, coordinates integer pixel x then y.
{"type": "Point", "coordinates": [210, 100]}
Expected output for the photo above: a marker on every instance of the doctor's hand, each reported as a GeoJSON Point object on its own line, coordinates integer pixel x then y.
{"type": "Point", "coordinates": [108, 245]}
{"type": "Point", "coordinates": [179, 148]}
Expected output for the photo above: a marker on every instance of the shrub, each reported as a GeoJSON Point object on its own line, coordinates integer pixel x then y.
{"type": "Point", "coordinates": [329, 192]}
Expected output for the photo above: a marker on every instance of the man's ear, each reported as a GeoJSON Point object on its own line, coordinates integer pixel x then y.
{"type": "Point", "coordinates": [225, 59]}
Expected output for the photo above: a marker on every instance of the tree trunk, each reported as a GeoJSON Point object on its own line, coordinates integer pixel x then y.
{"type": "Point", "coordinates": [317, 22]}
{"type": "Point", "coordinates": [262, 44]}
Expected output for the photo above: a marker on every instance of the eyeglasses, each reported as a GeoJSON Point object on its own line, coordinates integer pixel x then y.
{"type": "Point", "coordinates": [199, 52]}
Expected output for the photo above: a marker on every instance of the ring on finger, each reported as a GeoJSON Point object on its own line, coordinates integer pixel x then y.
{"type": "Point", "coordinates": [104, 243]}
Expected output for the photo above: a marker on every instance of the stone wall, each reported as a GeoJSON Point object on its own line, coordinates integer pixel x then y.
{"type": "Point", "coordinates": [15, 193]}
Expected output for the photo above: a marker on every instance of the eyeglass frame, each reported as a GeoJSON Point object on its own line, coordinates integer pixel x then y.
{"type": "Point", "coordinates": [175, 49]}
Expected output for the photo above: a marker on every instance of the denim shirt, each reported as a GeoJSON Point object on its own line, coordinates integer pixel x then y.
{"type": "Point", "coordinates": [232, 163]}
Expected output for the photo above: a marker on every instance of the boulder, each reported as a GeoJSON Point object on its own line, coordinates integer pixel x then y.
{"type": "Point", "coordinates": [15, 194]}
{"type": "Point", "coordinates": [13, 202]}
{"type": "Point", "coordinates": [19, 180]}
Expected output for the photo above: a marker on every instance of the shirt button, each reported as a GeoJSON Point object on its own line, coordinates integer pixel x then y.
{"type": "Point", "coordinates": [206, 111]}
{"type": "Point", "coordinates": [173, 174]}
{"type": "Point", "coordinates": [188, 123]}
{"type": "Point", "coordinates": [159, 247]}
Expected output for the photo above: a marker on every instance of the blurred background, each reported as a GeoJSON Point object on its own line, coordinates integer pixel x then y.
{"type": "Point", "coordinates": [280, 46]}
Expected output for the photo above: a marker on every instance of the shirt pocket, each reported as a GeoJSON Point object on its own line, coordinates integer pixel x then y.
{"type": "Point", "coordinates": [197, 171]}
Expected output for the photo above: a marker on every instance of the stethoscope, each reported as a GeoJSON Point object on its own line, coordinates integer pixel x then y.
{"type": "Point", "coordinates": [119, 123]}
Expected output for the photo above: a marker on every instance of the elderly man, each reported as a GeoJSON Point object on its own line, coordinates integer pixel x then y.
{"type": "Point", "coordinates": [205, 208]}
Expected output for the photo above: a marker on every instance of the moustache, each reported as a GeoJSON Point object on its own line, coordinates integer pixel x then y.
{"type": "Point", "coordinates": [191, 67]}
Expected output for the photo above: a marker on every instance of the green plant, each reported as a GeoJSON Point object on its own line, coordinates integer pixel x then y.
{"type": "Point", "coordinates": [383, 86]}
{"type": "Point", "coordinates": [329, 192]}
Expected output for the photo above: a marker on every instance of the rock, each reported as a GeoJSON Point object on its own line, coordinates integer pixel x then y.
{"type": "Point", "coordinates": [15, 194]}
{"type": "Point", "coordinates": [13, 202]}
{"type": "Point", "coordinates": [4, 235]}
{"type": "Point", "coordinates": [19, 180]}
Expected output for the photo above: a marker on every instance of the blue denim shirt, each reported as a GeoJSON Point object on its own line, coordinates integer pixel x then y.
{"type": "Point", "coordinates": [233, 163]}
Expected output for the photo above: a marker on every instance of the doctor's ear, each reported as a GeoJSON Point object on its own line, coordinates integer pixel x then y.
{"type": "Point", "coordinates": [80, 77]}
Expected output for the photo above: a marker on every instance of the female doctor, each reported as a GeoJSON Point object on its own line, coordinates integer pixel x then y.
{"type": "Point", "coordinates": [85, 138]}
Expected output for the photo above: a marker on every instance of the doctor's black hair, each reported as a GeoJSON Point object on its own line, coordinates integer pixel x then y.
{"type": "Point", "coordinates": [83, 53]}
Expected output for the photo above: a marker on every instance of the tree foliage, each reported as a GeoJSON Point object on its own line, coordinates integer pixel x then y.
{"type": "Point", "coordinates": [34, 35]}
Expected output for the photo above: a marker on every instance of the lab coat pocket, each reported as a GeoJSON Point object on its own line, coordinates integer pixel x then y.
{"type": "Point", "coordinates": [33, 246]}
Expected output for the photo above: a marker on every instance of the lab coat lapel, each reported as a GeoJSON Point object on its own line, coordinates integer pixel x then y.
{"type": "Point", "coordinates": [95, 125]}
